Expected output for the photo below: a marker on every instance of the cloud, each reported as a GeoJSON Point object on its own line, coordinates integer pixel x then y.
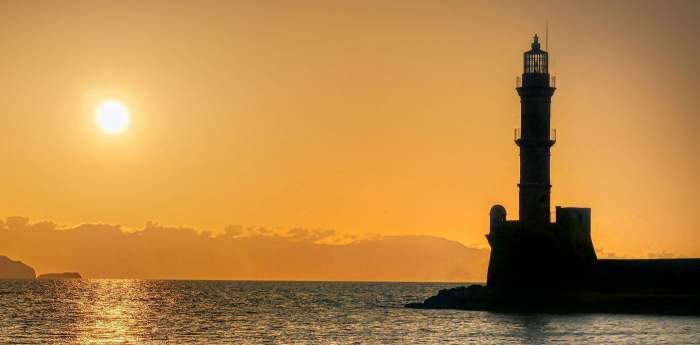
{"type": "Point", "coordinates": [306, 235]}
{"type": "Point", "coordinates": [661, 255]}
{"type": "Point", "coordinates": [256, 253]}
{"type": "Point", "coordinates": [602, 254]}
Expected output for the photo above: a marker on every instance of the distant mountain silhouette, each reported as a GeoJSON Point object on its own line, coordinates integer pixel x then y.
{"type": "Point", "coordinates": [98, 250]}
{"type": "Point", "coordinates": [10, 269]}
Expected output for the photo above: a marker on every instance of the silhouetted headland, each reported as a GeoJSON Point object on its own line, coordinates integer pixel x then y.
{"type": "Point", "coordinates": [10, 269]}
{"type": "Point", "coordinates": [542, 266]}
{"type": "Point", "coordinates": [64, 275]}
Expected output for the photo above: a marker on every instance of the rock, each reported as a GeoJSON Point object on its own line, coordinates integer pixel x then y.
{"type": "Point", "coordinates": [64, 275]}
{"type": "Point", "coordinates": [10, 269]}
{"type": "Point", "coordinates": [472, 297]}
{"type": "Point", "coordinates": [549, 300]}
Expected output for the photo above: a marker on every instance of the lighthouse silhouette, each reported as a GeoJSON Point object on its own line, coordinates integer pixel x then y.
{"type": "Point", "coordinates": [535, 137]}
{"type": "Point", "coordinates": [540, 265]}
{"type": "Point", "coordinates": [533, 251]}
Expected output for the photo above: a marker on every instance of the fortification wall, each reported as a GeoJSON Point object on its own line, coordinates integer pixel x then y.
{"type": "Point", "coordinates": [656, 276]}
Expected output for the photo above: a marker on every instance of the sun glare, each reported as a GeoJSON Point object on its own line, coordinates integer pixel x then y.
{"type": "Point", "coordinates": [112, 117]}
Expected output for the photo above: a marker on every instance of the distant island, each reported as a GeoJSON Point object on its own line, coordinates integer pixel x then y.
{"type": "Point", "coordinates": [11, 269]}
{"type": "Point", "coordinates": [64, 275]}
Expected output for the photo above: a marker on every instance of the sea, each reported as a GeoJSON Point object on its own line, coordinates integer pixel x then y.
{"type": "Point", "coordinates": [100, 311]}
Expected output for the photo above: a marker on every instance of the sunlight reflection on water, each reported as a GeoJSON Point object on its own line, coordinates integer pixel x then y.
{"type": "Point", "coordinates": [143, 311]}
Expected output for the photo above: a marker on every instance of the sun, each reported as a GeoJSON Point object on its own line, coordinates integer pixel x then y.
{"type": "Point", "coordinates": [112, 117]}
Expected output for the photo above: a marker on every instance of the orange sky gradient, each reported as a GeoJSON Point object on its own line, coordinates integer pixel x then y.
{"type": "Point", "coordinates": [365, 117]}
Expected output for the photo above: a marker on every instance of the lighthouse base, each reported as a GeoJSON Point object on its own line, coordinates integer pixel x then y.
{"type": "Point", "coordinates": [536, 255]}
{"type": "Point", "coordinates": [553, 268]}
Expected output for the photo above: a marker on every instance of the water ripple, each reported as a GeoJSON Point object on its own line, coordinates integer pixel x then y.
{"type": "Point", "coordinates": [215, 312]}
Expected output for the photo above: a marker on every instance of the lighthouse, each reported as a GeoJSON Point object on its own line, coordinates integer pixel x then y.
{"type": "Point", "coordinates": [535, 137]}
{"type": "Point", "coordinates": [533, 251]}
{"type": "Point", "coordinates": [537, 264]}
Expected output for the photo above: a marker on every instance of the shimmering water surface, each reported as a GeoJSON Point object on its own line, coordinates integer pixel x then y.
{"type": "Point", "coordinates": [210, 312]}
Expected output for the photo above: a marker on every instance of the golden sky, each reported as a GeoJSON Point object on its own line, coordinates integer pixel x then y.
{"type": "Point", "coordinates": [365, 117]}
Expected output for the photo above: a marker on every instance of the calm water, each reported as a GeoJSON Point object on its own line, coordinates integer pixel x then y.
{"type": "Point", "coordinates": [143, 311]}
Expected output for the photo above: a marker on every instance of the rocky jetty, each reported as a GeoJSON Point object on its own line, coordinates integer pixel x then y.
{"type": "Point", "coordinates": [64, 275]}
{"type": "Point", "coordinates": [10, 269]}
{"type": "Point", "coordinates": [472, 297]}
{"type": "Point", "coordinates": [479, 297]}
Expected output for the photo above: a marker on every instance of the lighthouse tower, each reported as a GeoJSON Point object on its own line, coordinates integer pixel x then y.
{"type": "Point", "coordinates": [533, 251]}
{"type": "Point", "coordinates": [535, 137]}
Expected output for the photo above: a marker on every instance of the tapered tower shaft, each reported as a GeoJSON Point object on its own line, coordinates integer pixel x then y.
{"type": "Point", "coordinates": [535, 136]}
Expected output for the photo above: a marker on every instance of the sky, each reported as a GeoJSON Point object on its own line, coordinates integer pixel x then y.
{"type": "Point", "coordinates": [367, 118]}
